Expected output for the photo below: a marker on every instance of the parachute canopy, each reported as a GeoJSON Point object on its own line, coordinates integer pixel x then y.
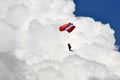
{"type": "Point", "coordinates": [69, 27]}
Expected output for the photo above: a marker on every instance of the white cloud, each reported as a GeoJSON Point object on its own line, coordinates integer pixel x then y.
{"type": "Point", "coordinates": [10, 67]}
{"type": "Point", "coordinates": [29, 30]}
{"type": "Point", "coordinates": [7, 37]}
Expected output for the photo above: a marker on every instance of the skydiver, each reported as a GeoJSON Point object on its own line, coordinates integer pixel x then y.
{"type": "Point", "coordinates": [69, 46]}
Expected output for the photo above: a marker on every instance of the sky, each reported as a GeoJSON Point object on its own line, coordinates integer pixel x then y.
{"type": "Point", "coordinates": [105, 11]}
{"type": "Point", "coordinates": [33, 48]}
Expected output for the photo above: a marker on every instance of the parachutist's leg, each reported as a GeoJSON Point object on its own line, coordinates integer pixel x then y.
{"type": "Point", "coordinates": [71, 50]}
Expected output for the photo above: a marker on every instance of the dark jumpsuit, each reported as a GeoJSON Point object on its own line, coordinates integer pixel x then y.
{"type": "Point", "coordinates": [69, 46]}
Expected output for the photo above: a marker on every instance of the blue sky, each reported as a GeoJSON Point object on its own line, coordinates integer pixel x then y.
{"type": "Point", "coordinates": [106, 11]}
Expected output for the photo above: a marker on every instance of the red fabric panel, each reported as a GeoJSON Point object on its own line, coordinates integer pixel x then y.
{"type": "Point", "coordinates": [71, 29]}
{"type": "Point", "coordinates": [62, 27]}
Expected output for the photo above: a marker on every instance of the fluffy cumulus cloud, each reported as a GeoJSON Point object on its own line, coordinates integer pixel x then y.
{"type": "Point", "coordinates": [33, 48]}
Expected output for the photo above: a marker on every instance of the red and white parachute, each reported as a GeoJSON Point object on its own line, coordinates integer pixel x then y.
{"type": "Point", "coordinates": [69, 27]}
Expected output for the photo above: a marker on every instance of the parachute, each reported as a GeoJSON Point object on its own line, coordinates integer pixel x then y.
{"type": "Point", "coordinates": [69, 27]}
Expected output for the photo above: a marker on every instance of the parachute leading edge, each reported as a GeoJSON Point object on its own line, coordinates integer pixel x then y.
{"type": "Point", "coordinates": [69, 27]}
